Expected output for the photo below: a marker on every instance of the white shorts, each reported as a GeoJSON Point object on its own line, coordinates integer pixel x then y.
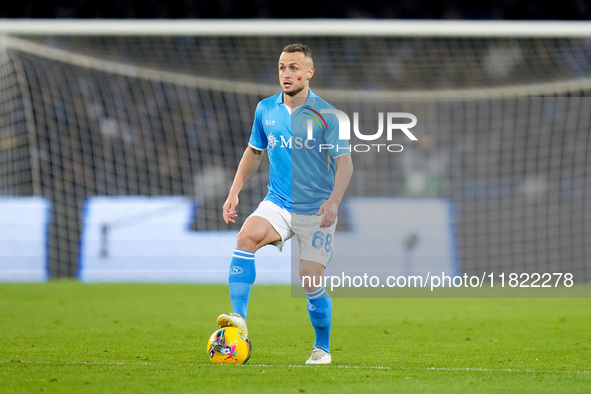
{"type": "Point", "coordinates": [316, 243]}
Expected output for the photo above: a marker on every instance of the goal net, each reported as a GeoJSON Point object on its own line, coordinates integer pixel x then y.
{"type": "Point", "coordinates": [504, 125]}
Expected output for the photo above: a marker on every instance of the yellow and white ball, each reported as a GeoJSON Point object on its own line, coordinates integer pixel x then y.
{"type": "Point", "coordinates": [229, 345]}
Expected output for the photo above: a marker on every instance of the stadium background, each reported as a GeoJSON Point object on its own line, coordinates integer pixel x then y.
{"type": "Point", "coordinates": [521, 212]}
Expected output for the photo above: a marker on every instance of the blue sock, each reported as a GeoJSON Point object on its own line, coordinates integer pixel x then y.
{"type": "Point", "coordinates": [241, 277]}
{"type": "Point", "coordinates": [320, 311]}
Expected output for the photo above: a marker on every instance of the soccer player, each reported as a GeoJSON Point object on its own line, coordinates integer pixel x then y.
{"type": "Point", "coordinates": [308, 178]}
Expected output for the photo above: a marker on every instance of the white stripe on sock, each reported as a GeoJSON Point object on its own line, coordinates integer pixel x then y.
{"type": "Point", "coordinates": [246, 253]}
{"type": "Point", "coordinates": [243, 257]}
{"type": "Point", "coordinates": [317, 293]}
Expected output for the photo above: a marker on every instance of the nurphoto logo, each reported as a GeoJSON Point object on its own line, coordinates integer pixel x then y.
{"type": "Point", "coordinates": [392, 120]}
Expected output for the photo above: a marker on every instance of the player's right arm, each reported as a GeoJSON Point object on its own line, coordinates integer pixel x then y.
{"type": "Point", "coordinates": [251, 159]}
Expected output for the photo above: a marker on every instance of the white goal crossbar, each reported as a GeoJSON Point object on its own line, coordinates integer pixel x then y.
{"type": "Point", "coordinates": [308, 27]}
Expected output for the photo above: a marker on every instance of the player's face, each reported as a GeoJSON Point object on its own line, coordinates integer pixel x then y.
{"type": "Point", "coordinates": [295, 70]}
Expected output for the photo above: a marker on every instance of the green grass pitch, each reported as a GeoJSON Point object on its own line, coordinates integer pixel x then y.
{"type": "Point", "coordinates": [67, 337]}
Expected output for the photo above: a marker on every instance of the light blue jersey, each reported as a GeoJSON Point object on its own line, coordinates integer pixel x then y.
{"type": "Point", "coordinates": [302, 169]}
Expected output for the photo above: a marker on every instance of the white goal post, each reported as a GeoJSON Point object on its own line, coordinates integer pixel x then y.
{"type": "Point", "coordinates": [164, 108]}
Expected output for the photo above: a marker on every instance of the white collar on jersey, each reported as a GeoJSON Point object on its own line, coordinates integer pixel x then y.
{"type": "Point", "coordinates": [309, 101]}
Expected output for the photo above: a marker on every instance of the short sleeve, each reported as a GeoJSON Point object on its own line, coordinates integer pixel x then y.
{"type": "Point", "coordinates": [258, 138]}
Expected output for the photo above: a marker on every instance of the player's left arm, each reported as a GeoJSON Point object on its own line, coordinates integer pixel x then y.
{"type": "Point", "coordinates": [330, 208]}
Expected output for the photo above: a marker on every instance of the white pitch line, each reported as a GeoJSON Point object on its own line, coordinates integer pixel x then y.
{"type": "Point", "coordinates": [450, 369]}
{"type": "Point", "coordinates": [314, 366]}
{"type": "Point", "coordinates": [76, 362]}
{"type": "Point", "coordinates": [498, 370]}
{"type": "Point", "coordinates": [148, 363]}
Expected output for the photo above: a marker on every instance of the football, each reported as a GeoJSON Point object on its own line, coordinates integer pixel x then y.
{"type": "Point", "coordinates": [229, 345]}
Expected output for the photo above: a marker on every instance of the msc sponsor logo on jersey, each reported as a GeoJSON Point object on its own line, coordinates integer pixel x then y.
{"type": "Point", "coordinates": [291, 142]}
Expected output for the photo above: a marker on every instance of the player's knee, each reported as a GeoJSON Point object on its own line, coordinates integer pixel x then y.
{"type": "Point", "coordinates": [310, 268]}
{"type": "Point", "coordinates": [248, 240]}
